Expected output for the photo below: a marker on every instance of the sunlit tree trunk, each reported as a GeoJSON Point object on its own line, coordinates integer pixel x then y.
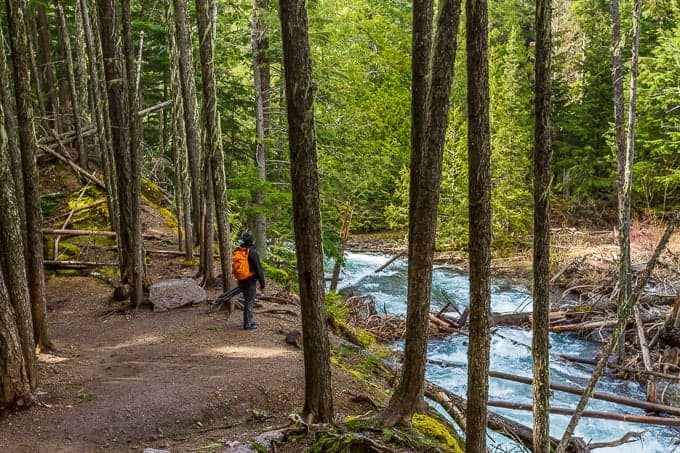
{"type": "Point", "coordinates": [65, 41]}
{"type": "Point", "coordinates": [213, 142]}
{"type": "Point", "coordinates": [260, 49]}
{"type": "Point", "coordinates": [191, 123]}
{"type": "Point", "coordinates": [24, 109]}
{"type": "Point", "coordinates": [429, 109]}
{"type": "Point", "coordinates": [479, 152]}
{"type": "Point", "coordinates": [306, 212]}
{"type": "Point", "coordinates": [541, 261]}
{"type": "Point", "coordinates": [17, 315]}
{"type": "Point", "coordinates": [179, 139]}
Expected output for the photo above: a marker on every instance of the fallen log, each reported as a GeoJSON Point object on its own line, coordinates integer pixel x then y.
{"type": "Point", "coordinates": [394, 258]}
{"type": "Point", "coordinates": [644, 419]}
{"type": "Point", "coordinates": [77, 169]}
{"type": "Point", "coordinates": [104, 233]}
{"type": "Point", "coordinates": [603, 396]}
{"type": "Point", "coordinates": [78, 265]}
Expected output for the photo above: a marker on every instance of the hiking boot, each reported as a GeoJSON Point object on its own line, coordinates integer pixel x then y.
{"type": "Point", "coordinates": [250, 327]}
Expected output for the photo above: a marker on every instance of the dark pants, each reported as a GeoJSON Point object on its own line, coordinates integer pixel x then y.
{"type": "Point", "coordinates": [249, 288]}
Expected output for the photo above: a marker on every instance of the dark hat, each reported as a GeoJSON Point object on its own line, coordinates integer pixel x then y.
{"type": "Point", "coordinates": [248, 238]}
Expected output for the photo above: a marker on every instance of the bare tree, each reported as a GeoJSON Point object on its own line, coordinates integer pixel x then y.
{"type": "Point", "coordinates": [541, 262]}
{"type": "Point", "coordinates": [479, 153]}
{"type": "Point", "coordinates": [24, 110]}
{"type": "Point", "coordinates": [65, 40]}
{"type": "Point", "coordinates": [432, 77]}
{"type": "Point", "coordinates": [306, 213]}
{"type": "Point", "coordinates": [213, 142]}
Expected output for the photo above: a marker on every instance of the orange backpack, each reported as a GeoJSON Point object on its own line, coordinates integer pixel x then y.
{"type": "Point", "coordinates": [239, 264]}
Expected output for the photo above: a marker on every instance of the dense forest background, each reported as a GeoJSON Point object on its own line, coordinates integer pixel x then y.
{"type": "Point", "coordinates": [360, 53]}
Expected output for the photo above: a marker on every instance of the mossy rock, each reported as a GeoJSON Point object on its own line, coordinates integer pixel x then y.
{"type": "Point", "coordinates": [434, 430]}
{"type": "Point", "coordinates": [151, 194]}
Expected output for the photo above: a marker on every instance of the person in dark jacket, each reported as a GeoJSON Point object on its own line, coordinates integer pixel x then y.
{"type": "Point", "coordinates": [248, 286]}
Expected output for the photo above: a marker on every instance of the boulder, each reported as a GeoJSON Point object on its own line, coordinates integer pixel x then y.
{"type": "Point", "coordinates": [168, 294]}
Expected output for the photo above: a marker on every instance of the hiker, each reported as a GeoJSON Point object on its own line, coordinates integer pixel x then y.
{"type": "Point", "coordinates": [247, 269]}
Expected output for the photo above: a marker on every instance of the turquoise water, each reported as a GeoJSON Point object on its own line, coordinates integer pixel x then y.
{"type": "Point", "coordinates": [510, 353]}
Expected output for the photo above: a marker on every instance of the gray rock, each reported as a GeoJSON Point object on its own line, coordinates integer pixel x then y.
{"type": "Point", "coordinates": [153, 450]}
{"type": "Point", "coordinates": [169, 294]}
{"type": "Point", "coordinates": [266, 438]}
{"type": "Point", "coordinates": [238, 447]}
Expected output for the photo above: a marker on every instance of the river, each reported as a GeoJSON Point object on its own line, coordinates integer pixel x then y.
{"type": "Point", "coordinates": [510, 353]}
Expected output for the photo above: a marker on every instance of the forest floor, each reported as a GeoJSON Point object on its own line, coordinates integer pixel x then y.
{"type": "Point", "coordinates": [184, 380]}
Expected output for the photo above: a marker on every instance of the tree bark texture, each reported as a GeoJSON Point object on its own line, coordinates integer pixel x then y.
{"type": "Point", "coordinates": [116, 83]}
{"type": "Point", "coordinates": [479, 193]}
{"type": "Point", "coordinates": [100, 110]}
{"type": "Point", "coordinates": [260, 48]}
{"type": "Point", "coordinates": [191, 124]}
{"type": "Point", "coordinates": [179, 138]}
{"type": "Point", "coordinates": [11, 128]}
{"type": "Point", "coordinates": [15, 387]}
{"type": "Point", "coordinates": [48, 77]}
{"type": "Point", "coordinates": [65, 41]}
{"type": "Point", "coordinates": [208, 239]}
{"type": "Point", "coordinates": [132, 193]}
{"type": "Point", "coordinates": [306, 212]}
{"type": "Point", "coordinates": [24, 109]}
{"type": "Point", "coordinates": [80, 67]}
{"type": "Point", "coordinates": [37, 80]}
{"type": "Point", "coordinates": [213, 141]}
{"type": "Point", "coordinates": [541, 259]}
{"type": "Point", "coordinates": [13, 264]}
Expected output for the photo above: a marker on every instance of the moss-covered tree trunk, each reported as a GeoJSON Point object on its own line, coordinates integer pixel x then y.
{"type": "Point", "coordinates": [24, 110]}
{"type": "Point", "coordinates": [306, 212]}
{"type": "Point", "coordinates": [479, 194]}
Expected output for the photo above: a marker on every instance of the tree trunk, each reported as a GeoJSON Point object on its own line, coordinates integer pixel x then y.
{"type": "Point", "coordinates": [480, 222]}
{"type": "Point", "coordinates": [208, 239]}
{"type": "Point", "coordinates": [179, 139]}
{"type": "Point", "coordinates": [11, 127]}
{"type": "Point", "coordinates": [133, 191]}
{"type": "Point", "coordinates": [47, 67]}
{"type": "Point", "coordinates": [213, 142]}
{"type": "Point", "coordinates": [15, 386]}
{"type": "Point", "coordinates": [13, 267]}
{"type": "Point", "coordinates": [260, 48]}
{"type": "Point", "coordinates": [100, 111]}
{"type": "Point", "coordinates": [430, 121]}
{"type": "Point", "coordinates": [37, 80]}
{"type": "Point", "coordinates": [65, 41]}
{"type": "Point", "coordinates": [306, 213]}
{"type": "Point", "coordinates": [84, 90]}
{"type": "Point", "coordinates": [27, 145]}
{"type": "Point", "coordinates": [191, 124]}
{"type": "Point", "coordinates": [541, 260]}
{"type": "Point", "coordinates": [119, 117]}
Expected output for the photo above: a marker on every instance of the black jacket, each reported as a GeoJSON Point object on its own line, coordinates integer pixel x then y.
{"type": "Point", "coordinates": [255, 266]}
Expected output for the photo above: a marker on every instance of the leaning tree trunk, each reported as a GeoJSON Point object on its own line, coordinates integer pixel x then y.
{"type": "Point", "coordinates": [13, 267]}
{"type": "Point", "coordinates": [100, 111]}
{"type": "Point", "coordinates": [479, 151]}
{"type": "Point", "coordinates": [191, 123]}
{"type": "Point", "coordinates": [134, 190]}
{"type": "Point", "coordinates": [306, 213]}
{"type": "Point", "coordinates": [65, 41]}
{"type": "Point", "coordinates": [84, 90]}
{"type": "Point", "coordinates": [430, 122]}
{"type": "Point", "coordinates": [541, 261]}
{"type": "Point", "coordinates": [260, 47]}
{"type": "Point", "coordinates": [47, 67]}
{"type": "Point", "coordinates": [213, 142]}
{"type": "Point", "coordinates": [27, 145]}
